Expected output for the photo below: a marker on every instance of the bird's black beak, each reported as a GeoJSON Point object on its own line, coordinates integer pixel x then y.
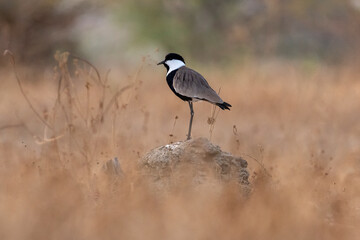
{"type": "Point", "coordinates": [162, 62]}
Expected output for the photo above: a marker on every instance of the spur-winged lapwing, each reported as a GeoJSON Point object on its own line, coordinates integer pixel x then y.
{"type": "Point", "coordinates": [189, 85]}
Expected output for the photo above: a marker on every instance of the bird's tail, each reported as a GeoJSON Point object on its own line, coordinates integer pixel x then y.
{"type": "Point", "coordinates": [224, 105]}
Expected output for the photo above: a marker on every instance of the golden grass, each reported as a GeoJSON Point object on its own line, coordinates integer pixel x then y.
{"type": "Point", "coordinates": [298, 125]}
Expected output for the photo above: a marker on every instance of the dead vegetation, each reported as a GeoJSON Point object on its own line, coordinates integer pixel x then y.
{"type": "Point", "coordinates": [298, 130]}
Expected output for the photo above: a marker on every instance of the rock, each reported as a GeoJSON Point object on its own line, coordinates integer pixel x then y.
{"type": "Point", "coordinates": [195, 161]}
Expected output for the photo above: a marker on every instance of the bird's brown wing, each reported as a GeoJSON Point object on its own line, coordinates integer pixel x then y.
{"type": "Point", "coordinates": [190, 83]}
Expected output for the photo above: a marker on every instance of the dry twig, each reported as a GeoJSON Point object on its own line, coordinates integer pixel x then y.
{"type": "Point", "coordinates": [13, 63]}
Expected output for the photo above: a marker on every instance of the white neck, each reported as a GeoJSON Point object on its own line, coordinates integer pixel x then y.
{"type": "Point", "coordinates": [173, 65]}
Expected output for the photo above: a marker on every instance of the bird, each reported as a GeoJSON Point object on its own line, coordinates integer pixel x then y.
{"type": "Point", "coordinates": [189, 85]}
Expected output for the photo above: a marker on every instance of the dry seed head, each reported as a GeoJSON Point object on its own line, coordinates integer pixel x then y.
{"type": "Point", "coordinates": [211, 120]}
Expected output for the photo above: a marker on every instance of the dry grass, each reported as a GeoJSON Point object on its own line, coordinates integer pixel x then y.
{"type": "Point", "coordinates": [298, 128]}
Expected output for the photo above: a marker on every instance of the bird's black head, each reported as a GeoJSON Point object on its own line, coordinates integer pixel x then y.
{"type": "Point", "coordinates": [171, 56]}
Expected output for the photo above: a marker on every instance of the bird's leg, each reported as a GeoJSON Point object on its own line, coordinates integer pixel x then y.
{"type": "Point", "coordinates": [191, 119]}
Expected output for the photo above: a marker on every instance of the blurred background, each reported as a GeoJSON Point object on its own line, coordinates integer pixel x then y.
{"type": "Point", "coordinates": [289, 68]}
{"type": "Point", "coordinates": [207, 31]}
